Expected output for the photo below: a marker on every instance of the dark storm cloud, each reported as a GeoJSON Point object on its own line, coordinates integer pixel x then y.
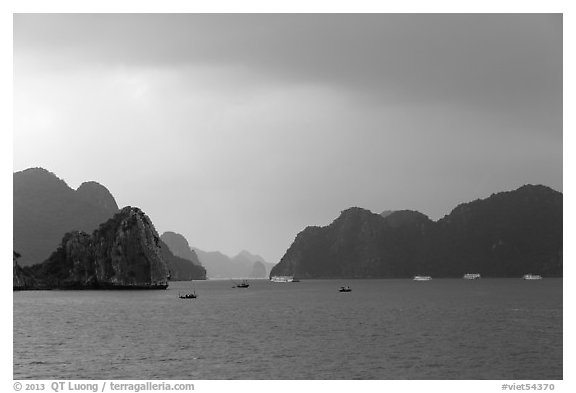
{"type": "Point", "coordinates": [471, 59]}
{"type": "Point", "coordinates": [283, 120]}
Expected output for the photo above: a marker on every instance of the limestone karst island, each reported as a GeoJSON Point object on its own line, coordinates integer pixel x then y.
{"type": "Point", "coordinates": [80, 239]}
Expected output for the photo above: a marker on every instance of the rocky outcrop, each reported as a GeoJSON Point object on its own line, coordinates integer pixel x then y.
{"type": "Point", "coordinates": [181, 269]}
{"type": "Point", "coordinates": [123, 253]}
{"type": "Point", "coordinates": [45, 208]}
{"type": "Point", "coordinates": [179, 246]}
{"type": "Point", "coordinates": [505, 235]}
{"type": "Point", "coordinates": [358, 244]}
{"type": "Point", "coordinates": [20, 279]}
{"type": "Point", "coordinates": [182, 261]}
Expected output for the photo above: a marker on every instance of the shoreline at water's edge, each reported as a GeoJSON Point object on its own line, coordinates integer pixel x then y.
{"type": "Point", "coordinates": [407, 278]}
{"type": "Point", "coordinates": [102, 288]}
{"type": "Point", "coordinates": [165, 286]}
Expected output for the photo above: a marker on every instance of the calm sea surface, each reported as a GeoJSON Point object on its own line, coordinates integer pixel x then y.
{"type": "Point", "coordinates": [383, 329]}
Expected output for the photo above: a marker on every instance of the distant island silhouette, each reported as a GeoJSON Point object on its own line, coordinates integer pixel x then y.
{"type": "Point", "coordinates": [65, 238]}
{"type": "Point", "coordinates": [508, 234]}
{"type": "Point", "coordinates": [46, 210]}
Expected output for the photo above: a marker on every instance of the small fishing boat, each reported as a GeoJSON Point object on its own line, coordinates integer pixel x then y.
{"type": "Point", "coordinates": [243, 284]}
{"type": "Point", "coordinates": [345, 289]}
{"type": "Point", "coordinates": [191, 295]}
{"type": "Point", "coordinates": [532, 277]}
{"type": "Point", "coordinates": [471, 276]}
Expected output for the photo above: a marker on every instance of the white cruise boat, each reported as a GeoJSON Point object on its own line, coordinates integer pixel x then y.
{"type": "Point", "coordinates": [471, 276]}
{"type": "Point", "coordinates": [422, 278]}
{"type": "Point", "coordinates": [282, 278]}
{"type": "Point", "coordinates": [532, 277]}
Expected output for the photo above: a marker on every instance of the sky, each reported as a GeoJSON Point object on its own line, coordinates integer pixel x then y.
{"type": "Point", "coordinates": [239, 130]}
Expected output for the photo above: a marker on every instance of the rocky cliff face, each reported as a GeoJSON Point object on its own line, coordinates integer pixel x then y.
{"type": "Point", "coordinates": [182, 261]}
{"type": "Point", "coordinates": [45, 209]}
{"type": "Point", "coordinates": [122, 253]}
{"type": "Point", "coordinates": [20, 280]}
{"type": "Point", "coordinates": [505, 235]}
{"type": "Point", "coordinates": [181, 269]}
{"type": "Point", "coordinates": [179, 246]}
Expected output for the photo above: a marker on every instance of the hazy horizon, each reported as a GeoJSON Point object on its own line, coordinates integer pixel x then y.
{"type": "Point", "coordinates": [239, 130]}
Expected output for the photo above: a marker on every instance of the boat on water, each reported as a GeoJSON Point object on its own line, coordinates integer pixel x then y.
{"type": "Point", "coordinates": [191, 295]}
{"type": "Point", "coordinates": [345, 289]}
{"type": "Point", "coordinates": [532, 277]}
{"type": "Point", "coordinates": [422, 278]}
{"type": "Point", "coordinates": [471, 276]}
{"type": "Point", "coordinates": [243, 284]}
{"type": "Point", "coordinates": [282, 279]}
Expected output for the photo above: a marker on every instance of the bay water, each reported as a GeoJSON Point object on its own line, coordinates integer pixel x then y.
{"type": "Point", "coordinates": [384, 329]}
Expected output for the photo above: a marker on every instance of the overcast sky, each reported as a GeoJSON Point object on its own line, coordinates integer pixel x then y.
{"type": "Point", "coordinates": [238, 131]}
